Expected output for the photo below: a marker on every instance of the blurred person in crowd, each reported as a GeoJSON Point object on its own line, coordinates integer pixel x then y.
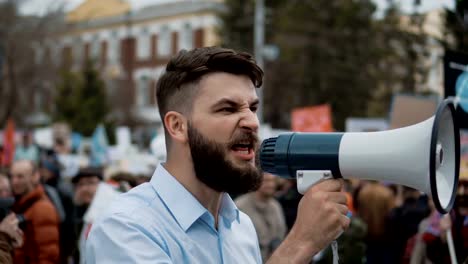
{"type": "Point", "coordinates": [374, 204]}
{"type": "Point", "coordinates": [1, 156]}
{"type": "Point", "coordinates": [11, 235]}
{"type": "Point", "coordinates": [41, 231]}
{"type": "Point", "coordinates": [435, 235]}
{"type": "Point", "coordinates": [61, 194]}
{"type": "Point", "coordinates": [124, 181]}
{"type": "Point", "coordinates": [5, 186]}
{"type": "Point", "coordinates": [289, 198]}
{"type": "Point", "coordinates": [207, 100]}
{"type": "Point", "coordinates": [404, 219]}
{"type": "Point", "coordinates": [349, 188]}
{"type": "Point", "coordinates": [142, 178]}
{"type": "Point", "coordinates": [351, 244]}
{"type": "Point", "coordinates": [27, 150]}
{"type": "Point", "coordinates": [85, 186]}
{"type": "Point", "coordinates": [416, 248]}
{"type": "Point", "coordinates": [266, 214]}
{"type": "Point", "coordinates": [61, 146]}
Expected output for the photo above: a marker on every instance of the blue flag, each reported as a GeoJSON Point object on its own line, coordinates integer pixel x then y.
{"type": "Point", "coordinates": [99, 147]}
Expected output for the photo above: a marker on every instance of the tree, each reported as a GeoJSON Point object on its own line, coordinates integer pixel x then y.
{"type": "Point", "coordinates": [331, 57]}
{"type": "Point", "coordinates": [331, 51]}
{"type": "Point", "coordinates": [237, 28]}
{"type": "Point", "coordinates": [456, 22]}
{"type": "Point", "coordinates": [402, 48]}
{"type": "Point", "coordinates": [22, 77]}
{"type": "Point", "coordinates": [81, 100]}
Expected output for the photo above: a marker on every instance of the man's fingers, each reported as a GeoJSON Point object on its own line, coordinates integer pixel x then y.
{"type": "Point", "coordinates": [345, 222]}
{"type": "Point", "coordinates": [336, 197]}
{"type": "Point", "coordinates": [332, 185]}
{"type": "Point", "coordinates": [343, 209]}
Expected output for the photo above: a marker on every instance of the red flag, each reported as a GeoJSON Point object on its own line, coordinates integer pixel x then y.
{"type": "Point", "coordinates": [8, 143]}
{"type": "Point", "coordinates": [312, 119]}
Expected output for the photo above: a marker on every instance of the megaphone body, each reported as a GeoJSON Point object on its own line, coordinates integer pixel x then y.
{"type": "Point", "coordinates": [425, 156]}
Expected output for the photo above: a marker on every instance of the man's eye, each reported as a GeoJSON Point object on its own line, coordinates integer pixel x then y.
{"type": "Point", "coordinates": [228, 109]}
{"type": "Point", "coordinates": [254, 109]}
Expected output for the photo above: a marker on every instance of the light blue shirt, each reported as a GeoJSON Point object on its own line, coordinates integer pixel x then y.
{"type": "Point", "coordinates": [162, 222]}
{"type": "Point", "coordinates": [27, 153]}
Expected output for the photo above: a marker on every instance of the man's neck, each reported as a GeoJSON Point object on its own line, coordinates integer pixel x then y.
{"type": "Point", "coordinates": [185, 175]}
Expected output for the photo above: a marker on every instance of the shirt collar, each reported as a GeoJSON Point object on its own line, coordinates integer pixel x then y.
{"type": "Point", "coordinates": [229, 209]}
{"type": "Point", "coordinates": [183, 205]}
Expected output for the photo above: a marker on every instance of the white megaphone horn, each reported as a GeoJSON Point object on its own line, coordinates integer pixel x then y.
{"type": "Point", "coordinates": [424, 156]}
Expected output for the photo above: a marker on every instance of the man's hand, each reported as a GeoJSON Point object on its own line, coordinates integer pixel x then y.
{"type": "Point", "coordinates": [9, 225]}
{"type": "Point", "coordinates": [321, 218]}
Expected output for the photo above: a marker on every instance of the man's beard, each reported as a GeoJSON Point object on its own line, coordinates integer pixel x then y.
{"type": "Point", "coordinates": [213, 168]}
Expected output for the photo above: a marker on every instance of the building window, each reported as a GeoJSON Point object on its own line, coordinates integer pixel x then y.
{"type": "Point", "coordinates": [164, 42]}
{"type": "Point", "coordinates": [38, 53]}
{"type": "Point", "coordinates": [113, 52]}
{"type": "Point", "coordinates": [144, 44]}
{"type": "Point", "coordinates": [53, 51]}
{"type": "Point", "coordinates": [67, 56]}
{"type": "Point", "coordinates": [38, 101]}
{"type": "Point", "coordinates": [143, 86]}
{"type": "Point", "coordinates": [186, 38]}
{"type": "Point", "coordinates": [78, 51]}
{"type": "Point", "coordinates": [95, 47]}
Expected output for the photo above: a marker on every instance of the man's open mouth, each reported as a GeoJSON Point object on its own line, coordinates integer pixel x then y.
{"type": "Point", "coordinates": [244, 150]}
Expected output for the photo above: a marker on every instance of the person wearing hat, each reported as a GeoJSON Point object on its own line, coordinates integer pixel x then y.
{"type": "Point", "coordinates": [85, 185]}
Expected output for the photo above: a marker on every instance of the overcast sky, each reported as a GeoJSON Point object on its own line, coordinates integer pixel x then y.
{"type": "Point", "coordinates": [41, 6]}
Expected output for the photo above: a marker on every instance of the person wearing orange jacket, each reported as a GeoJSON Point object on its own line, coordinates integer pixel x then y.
{"type": "Point", "coordinates": [41, 230]}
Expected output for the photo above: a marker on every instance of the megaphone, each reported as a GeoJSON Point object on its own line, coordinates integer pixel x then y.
{"type": "Point", "coordinates": [424, 156]}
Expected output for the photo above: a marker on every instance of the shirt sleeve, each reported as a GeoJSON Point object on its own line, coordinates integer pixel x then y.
{"type": "Point", "coordinates": [120, 239]}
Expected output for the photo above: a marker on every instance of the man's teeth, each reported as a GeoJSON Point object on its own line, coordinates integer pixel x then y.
{"type": "Point", "coordinates": [243, 151]}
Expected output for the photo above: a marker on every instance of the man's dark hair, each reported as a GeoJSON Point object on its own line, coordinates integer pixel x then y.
{"type": "Point", "coordinates": [173, 89]}
{"type": "Point", "coordinates": [88, 172]}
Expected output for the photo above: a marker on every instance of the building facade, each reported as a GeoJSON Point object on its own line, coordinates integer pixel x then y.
{"type": "Point", "coordinates": [131, 47]}
{"type": "Point", "coordinates": [432, 53]}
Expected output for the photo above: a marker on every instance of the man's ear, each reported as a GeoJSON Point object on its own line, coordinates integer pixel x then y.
{"type": "Point", "coordinates": [176, 125]}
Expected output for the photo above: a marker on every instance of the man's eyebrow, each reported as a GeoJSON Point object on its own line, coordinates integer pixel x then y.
{"type": "Point", "coordinates": [233, 103]}
{"type": "Point", "coordinates": [226, 101]}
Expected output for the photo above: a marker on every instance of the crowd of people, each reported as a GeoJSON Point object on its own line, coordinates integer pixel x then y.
{"type": "Point", "coordinates": [42, 212]}
{"type": "Point", "coordinates": [389, 223]}
{"type": "Point", "coordinates": [184, 214]}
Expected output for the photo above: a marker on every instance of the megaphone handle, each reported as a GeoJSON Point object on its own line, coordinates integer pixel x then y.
{"type": "Point", "coordinates": [305, 180]}
{"type": "Point", "coordinates": [451, 246]}
{"type": "Point", "coordinates": [336, 257]}
{"type": "Point", "coordinates": [308, 178]}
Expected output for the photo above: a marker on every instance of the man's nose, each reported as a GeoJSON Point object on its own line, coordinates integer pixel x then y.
{"type": "Point", "coordinates": [249, 121]}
